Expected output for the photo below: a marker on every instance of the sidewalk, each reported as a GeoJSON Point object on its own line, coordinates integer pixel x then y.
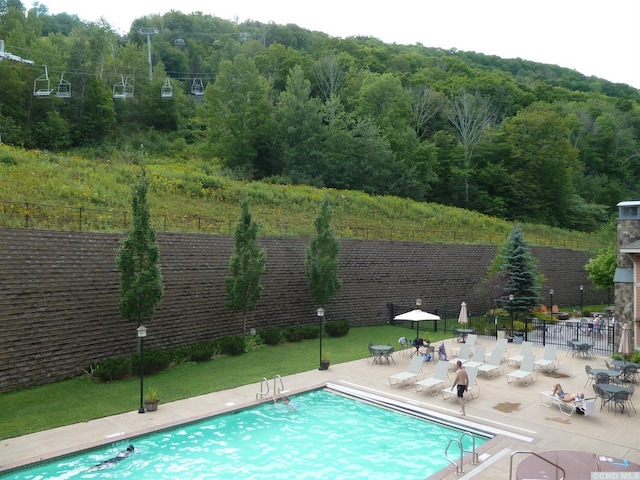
{"type": "Point", "coordinates": [509, 407]}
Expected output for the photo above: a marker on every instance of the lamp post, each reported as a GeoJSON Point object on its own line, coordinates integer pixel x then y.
{"type": "Point", "coordinates": [418, 307]}
{"type": "Point", "coordinates": [320, 313]}
{"type": "Point", "coordinates": [551, 292]}
{"type": "Point", "coordinates": [511, 297]}
{"type": "Point", "coordinates": [142, 332]}
{"type": "Point", "coordinates": [581, 290]}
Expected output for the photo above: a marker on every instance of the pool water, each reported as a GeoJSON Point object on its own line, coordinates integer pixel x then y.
{"type": "Point", "coordinates": [318, 435]}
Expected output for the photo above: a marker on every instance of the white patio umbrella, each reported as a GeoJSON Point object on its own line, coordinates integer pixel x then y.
{"type": "Point", "coordinates": [626, 342]}
{"type": "Point", "coordinates": [463, 318]}
{"type": "Point", "coordinates": [416, 316]}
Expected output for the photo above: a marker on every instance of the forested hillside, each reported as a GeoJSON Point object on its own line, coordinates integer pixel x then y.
{"type": "Point", "coordinates": [510, 138]}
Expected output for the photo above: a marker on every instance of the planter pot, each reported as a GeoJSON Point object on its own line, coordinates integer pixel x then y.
{"type": "Point", "coordinates": [151, 407]}
{"type": "Point", "coordinates": [324, 364]}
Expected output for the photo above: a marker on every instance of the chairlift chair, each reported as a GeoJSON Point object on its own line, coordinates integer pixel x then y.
{"type": "Point", "coordinates": [167, 90]}
{"type": "Point", "coordinates": [64, 88]}
{"type": "Point", "coordinates": [197, 87]}
{"type": "Point", "coordinates": [123, 89]}
{"type": "Point", "coordinates": [42, 85]}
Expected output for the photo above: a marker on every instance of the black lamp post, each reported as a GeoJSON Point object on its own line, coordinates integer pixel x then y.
{"type": "Point", "coordinates": [320, 313]}
{"type": "Point", "coordinates": [551, 292]}
{"type": "Point", "coordinates": [142, 332]}
{"type": "Point", "coordinates": [418, 307]}
{"type": "Point", "coordinates": [581, 290]}
{"type": "Point", "coordinates": [511, 297]}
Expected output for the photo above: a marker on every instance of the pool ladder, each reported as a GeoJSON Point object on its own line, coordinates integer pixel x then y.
{"type": "Point", "coordinates": [458, 442]}
{"type": "Point", "coordinates": [558, 467]}
{"type": "Point", "coordinates": [264, 387]}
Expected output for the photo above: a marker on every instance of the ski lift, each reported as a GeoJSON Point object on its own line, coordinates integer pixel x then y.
{"type": "Point", "coordinates": [197, 87]}
{"type": "Point", "coordinates": [42, 85]}
{"type": "Point", "coordinates": [123, 89]}
{"type": "Point", "coordinates": [64, 88]}
{"type": "Point", "coordinates": [167, 90]}
{"type": "Point", "coordinates": [179, 42]}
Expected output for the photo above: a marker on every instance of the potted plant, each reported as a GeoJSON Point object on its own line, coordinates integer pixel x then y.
{"type": "Point", "coordinates": [151, 399]}
{"type": "Point", "coordinates": [325, 361]}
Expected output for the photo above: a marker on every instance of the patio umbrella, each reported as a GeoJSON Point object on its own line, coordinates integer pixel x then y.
{"type": "Point", "coordinates": [463, 317]}
{"type": "Point", "coordinates": [416, 316]}
{"type": "Point", "coordinates": [626, 345]}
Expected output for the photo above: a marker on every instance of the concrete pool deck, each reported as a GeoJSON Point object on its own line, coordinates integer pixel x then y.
{"type": "Point", "coordinates": [512, 408]}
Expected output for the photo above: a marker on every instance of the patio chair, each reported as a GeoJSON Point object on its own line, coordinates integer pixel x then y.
{"type": "Point", "coordinates": [494, 366]}
{"type": "Point", "coordinates": [388, 354]}
{"type": "Point", "coordinates": [526, 374]}
{"type": "Point", "coordinates": [629, 373]}
{"type": "Point", "coordinates": [571, 348]}
{"type": "Point", "coordinates": [463, 355]}
{"type": "Point", "coordinates": [549, 360]}
{"type": "Point", "coordinates": [525, 349]}
{"type": "Point", "coordinates": [620, 399]}
{"type": "Point", "coordinates": [601, 394]}
{"type": "Point", "coordinates": [404, 344]}
{"type": "Point", "coordinates": [439, 380]}
{"type": "Point", "coordinates": [472, 373]}
{"type": "Point", "coordinates": [590, 376]}
{"type": "Point", "coordinates": [602, 378]}
{"type": "Point", "coordinates": [413, 372]}
{"type": "Point", "coordinates": [477, 359]}
{"type": "Point", "coordinates": [375, 356]}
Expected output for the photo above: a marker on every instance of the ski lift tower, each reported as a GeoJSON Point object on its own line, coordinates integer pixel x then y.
{"type": "Point", "coordinates": [148, 32]}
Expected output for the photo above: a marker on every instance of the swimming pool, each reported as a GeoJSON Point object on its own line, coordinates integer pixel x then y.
{"type": "Point", "coordinates": [321, 434]}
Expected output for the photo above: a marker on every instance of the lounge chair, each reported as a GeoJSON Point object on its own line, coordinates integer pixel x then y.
{"type": "Point", "coordinates": [413, 372]}
{"type": "Point", "coordinates": [525, 349]}
{"type": "Point", "coordinates": [472, 373]}
{"type": "Point", "coordinates": [549, 360]}
{"type": "Point", "coordinates": [494, 366]}
{"type": "Point", "coordinates": [478, 358]}
{"type": "Point", "coordinates": [501, 344]}
{"type": "Point", "coordinates": [437, 382]}
{"type": "Point", "coordinates": [526, 374]}
{"type": "Point", "coordinates": [463, 355]}
{"type": "Point", "coordinates": [568, 408]}
{"type": "Point", "coordinates": [471, 341]}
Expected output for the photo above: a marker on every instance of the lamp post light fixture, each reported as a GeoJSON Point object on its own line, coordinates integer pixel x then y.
{"type": "Point", "coordinates": [142, 332]}
{"type": "Point", "coordinates": [320, 313]}
{"type": "Point", "coordinates": [581, 291]}
{"type": "Point", "coordinates": [418, 303]}
{"type": "Point", "coordinates": [511, 297]}
{"type": "Point", "coordinates": [551, 292]}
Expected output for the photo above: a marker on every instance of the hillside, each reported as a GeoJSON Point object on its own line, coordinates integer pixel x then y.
{"type": "Point", "coordinates": [511, 139]}
{"type": "Point", "coordinates": [47, 191]}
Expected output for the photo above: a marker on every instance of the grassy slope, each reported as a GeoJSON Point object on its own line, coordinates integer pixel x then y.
{"type": "Point", "coordinates": [195, 196]}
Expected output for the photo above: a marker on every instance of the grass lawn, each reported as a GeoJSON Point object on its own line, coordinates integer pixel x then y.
{"type": "Point", "coordinates": [82, 399]}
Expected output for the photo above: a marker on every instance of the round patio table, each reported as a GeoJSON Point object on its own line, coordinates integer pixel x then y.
{"type": "Point", "coordinates": [623, 363]}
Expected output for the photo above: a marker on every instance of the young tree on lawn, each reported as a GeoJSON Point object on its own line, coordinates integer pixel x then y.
{"type": "Point", "coordinates": [138, 260]}
{"type": "Point", "coordinates": [523, 279]}
{"type": "Point", "coordinates": [246, 265]}
{"type": "Point", "coordinates": [321, 261]}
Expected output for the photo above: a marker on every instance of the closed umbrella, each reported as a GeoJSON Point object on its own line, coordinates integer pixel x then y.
{"type": "Point", "coordinates": [626, 345]}
{"type": "Point", "coordinates": [463, 317]}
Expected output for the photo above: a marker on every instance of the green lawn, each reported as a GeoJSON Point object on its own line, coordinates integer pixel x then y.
{"type": "Point", "coordinates": [81, 399]}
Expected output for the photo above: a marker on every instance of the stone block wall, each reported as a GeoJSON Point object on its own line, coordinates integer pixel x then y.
{"type": "Point", "coordinates": [59, 292]}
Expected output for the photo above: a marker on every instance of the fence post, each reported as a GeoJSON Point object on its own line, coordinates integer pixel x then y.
{"type": "Point", "coordinates": [26, 215]}
{"type": "Point", "coordinates": [80, 218]}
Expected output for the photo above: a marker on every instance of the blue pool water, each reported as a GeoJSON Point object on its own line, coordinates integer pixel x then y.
{"type": "Point", "coordinates": [319, 435]}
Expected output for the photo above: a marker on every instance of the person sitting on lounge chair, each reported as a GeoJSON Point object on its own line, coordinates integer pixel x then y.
{"type": "Point", "coordinates": [566, 397]}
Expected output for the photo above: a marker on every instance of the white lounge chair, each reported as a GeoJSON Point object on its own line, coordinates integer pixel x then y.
{"type": "Point", "coordinates": [501, 344]}
{"type": "Point", "coordinates": [494, 366]}
{"type": "Point", "coordinates": [463, 355]}
{"type": "Point", "coordinates": [472, 373]}
{"type": "Point", "coordinates": [413, 372]}
{"type": "Point", "coordinates": [549, 360]}
{"type": "Point", "coordinates": [471, 341]}
{"type": "Point", "coordinates": [439, 380]}
{"type": "Point", "coordinates": [526, 374]}
{"type": "Point", "coordinates": [569, 408]}
{"type": "Point", "coordinates": [525, 348]}
{"type": "Point", "coordinates": [478, 358]}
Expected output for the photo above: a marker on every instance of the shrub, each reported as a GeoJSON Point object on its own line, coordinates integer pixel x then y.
{"type": "Point", "coordinates": [309, 332]}
{"type": "Point", "coordinates": [232, 345]}
{"type": "Point", "coordinates": [519, 326]}
{"type": "Point", "coordinates": [292, 334]}
{"type": "Point", "coordinates": [271, 335]}
{"type": "Point", "coordinates": [155, 360]}
{"type": "Point", "coordinates": [337, 328]}
{"type": "Point", "coordinates": [202, 351]}
{"type": "Point", "coordinates": [111, 369]}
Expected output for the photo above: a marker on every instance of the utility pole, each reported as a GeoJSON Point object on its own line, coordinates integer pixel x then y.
{"type": "Point", "coordinates": [148, 32]}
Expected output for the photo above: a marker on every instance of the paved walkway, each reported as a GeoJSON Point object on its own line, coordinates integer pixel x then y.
{"type": "Point", "coordinates": [513, 408]}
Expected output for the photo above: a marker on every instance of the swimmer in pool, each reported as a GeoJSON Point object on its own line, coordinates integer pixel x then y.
{"type": "Point", "coordinates": [112, 461]}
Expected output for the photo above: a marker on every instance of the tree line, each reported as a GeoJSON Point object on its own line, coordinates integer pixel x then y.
{"type": "Point", "coordinates": [514, 139]}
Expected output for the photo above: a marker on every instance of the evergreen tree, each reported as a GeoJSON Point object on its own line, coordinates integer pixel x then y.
{"type": "Point", "coordinates": [246, 265]}
{"type": "Point", "coordinates": [321, 262]}
{"type": "Point", "coordinates": [138, 260]}
{"type": "Point", "coordinates": [521, 269]}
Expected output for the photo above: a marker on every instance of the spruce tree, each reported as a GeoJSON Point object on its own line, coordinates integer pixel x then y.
{"type": "Point", "coordinates": [246, 265]}
{"type": "Point", "coordinates": [521, 269]}
{"type": "Point", "coordinates": [138, 260]}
